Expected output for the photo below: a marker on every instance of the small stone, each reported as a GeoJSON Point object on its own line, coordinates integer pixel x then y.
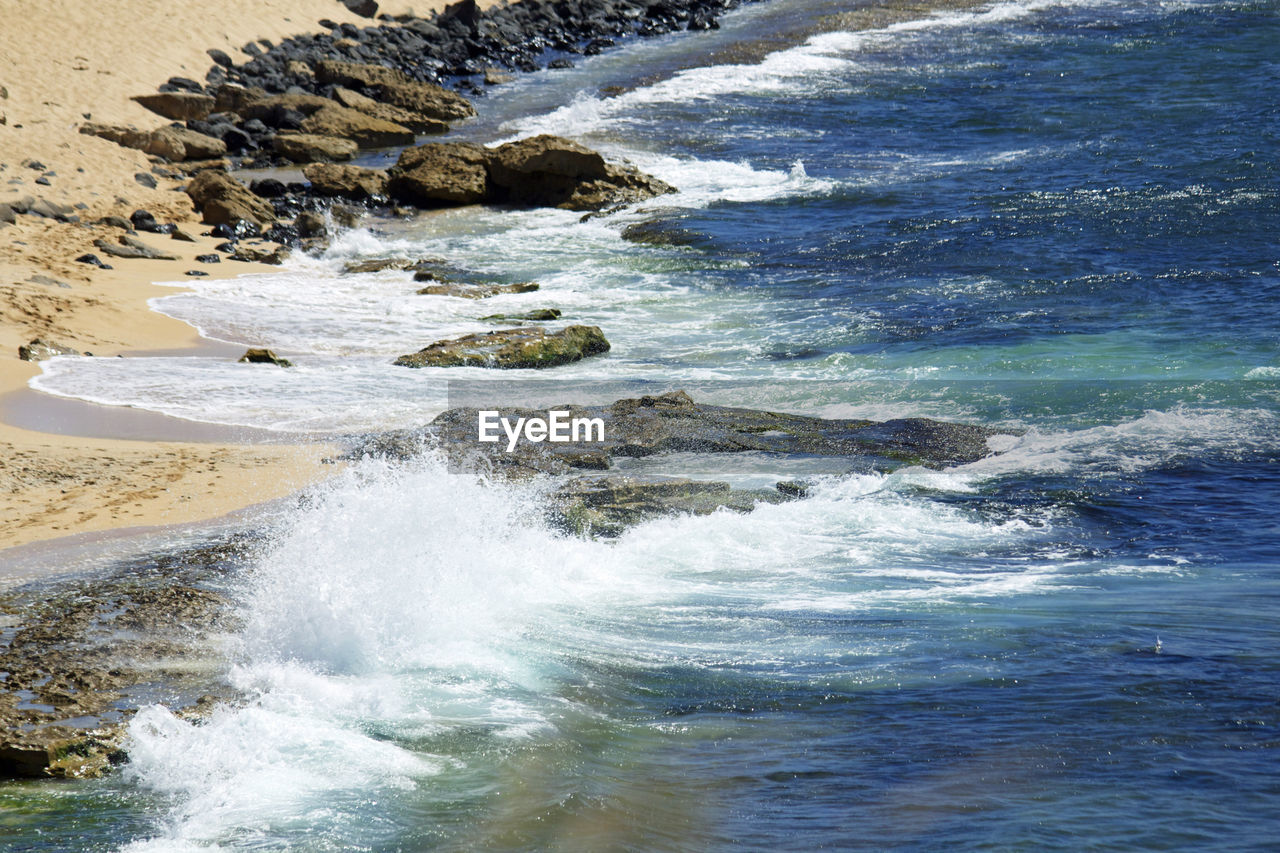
{"type": "Point", "coordinates": [146, 180]}
{"type": "Point", "coordinates": [195, 273]}
{"type": "Point", "coordinates": [209, 259]}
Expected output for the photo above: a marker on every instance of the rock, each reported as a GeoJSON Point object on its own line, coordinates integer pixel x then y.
{"type": "Point", "coordinates": [268, 109]}
{"type": "Point", "coordinates": [178, 106]}
{"type": "Point", "coordinates": [222, 200]}
{"type": "Point", "coordinates": [50, 210]}
{"type": "Point", "coordinates": [40, 349]}
{"type": "Point", "coordinates": [116, 222]}
{"type": "Point", "coordinates": [555, 172]}
{"type": "Point", "coordinates": [220, 57]}
{"type": "Point", "coordinates": [165, 143]}
{"type": "Point", "coordinates": [260, 255]}
{"type": "Point", "coordinates": [209, 259]}
{"type": "Point", "coordinates": [389, 112]}
{"type": "Point", "coordinates": [48, 281]}
{"type": "Point", "coordinates": [311, 224]}
{"type": "Point", "coordinates": [195, 273]}
{"type": "Point", "coordinates": [380, 264]}
{"type": "Point", "coordinates": [539, 316]}
{"type": "Point", "coordinates": [264, 356]}
{"type": "Point", "coordinates": [363, 8]}
{"type": "Point", "coordinates": [365, 131]}
{"type": "Point", "coordinates": [524, 347]}
{"type": "Point", "coordinates": [467, 290]}
{"type": "Point", "coordinates": [427, 100]}
{"type": "Point", "coordinates": [199, 146]}
{"type": "Point", "coordinates": [92, 259]}
{"type": "Point", "coordinates": [268, 188]}
{"type": "Point", "coordinates": [441, 173]}
{"type": "Point", "coordinates": [180, 235]}
{"type": "Point", "coordinates": [496, 77]}
{"type": "Point", "coordinates": [607, 505]}
{"type": "Point", "coordinates": [353, 182]}
{"type": "Point", "coordinates": [131, 247]}
{"type": "Point", "coordinates": [144, 220]}
{"type": "Point", "coordinates": [309, 148]}
{"type": "Point", "coordinates": [337, 72]}
{"type": "Point", "coordinates": [8, 214]}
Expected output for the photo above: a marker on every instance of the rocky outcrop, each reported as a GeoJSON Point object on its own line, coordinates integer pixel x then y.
{"type": "Point", "coordinates": [366, 131]}
{"type": "Point", "coordinates": [309, 148]}
{"type": "Point", "coordinates": [176, 144]}
{"type": "Point", "coordinates": [353, 182]}
{"type": "Point", "coordinates": [441, 174]}
{"type": "Point", "coordinates": [674, 423]}
{"type": "Point", "coordinates": [222, 200]}
{"type": "Point", "coordinates": [542, 171]}
{"type": "Point", "coordinates": [178, 106]}
{"type": "Point", "coordinates": [525, 347]}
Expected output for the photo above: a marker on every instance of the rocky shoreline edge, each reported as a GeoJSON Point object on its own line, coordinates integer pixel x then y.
{"type": "Point", "coordinates": [88, 653]}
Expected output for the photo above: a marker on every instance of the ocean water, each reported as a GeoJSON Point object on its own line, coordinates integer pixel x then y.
{"type": "Point", "coordinates": [1059, 218]}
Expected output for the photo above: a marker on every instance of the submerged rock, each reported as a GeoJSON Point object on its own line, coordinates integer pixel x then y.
{"type": "Point", "coordinates": [524, 347]}
{"type": "Point", "coordinates": [607, 505]}
{"type": "Point", "coordinates": [263, 356]}
{"type": "Point", "coordinates": [541, 315]}
{"type": "Point", "coordinates": [468, 290]}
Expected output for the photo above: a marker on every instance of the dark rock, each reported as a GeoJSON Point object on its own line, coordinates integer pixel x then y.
{"type": "Point", "coordinates": [267, 188]}
{"type": "Point", "coordinates": [144, 220]}
{"type": "Point", "coordinates": [178, 106]}
{"type": "Point", "coordinates": [309, 148]}
{"type": "Point", "coordinates": [209, 259]}
{"type": "Point", "coordinates": [145, 180]}
{"type": "Point", "coordinates": [40, 349]}
{"type": "Point", "coordinates": [443, 173]}
{"type": "Point", "coordinates": [224, 200]}
{"type": "Point", "coordinates": [364, 8]}
{"type": "Point", "coordinates": [117, 222]}
{"type": "Point", "coordinates": [469, 290]}
{"type": "Point", "coordinates": [539, 316]}
{"type": "Point", "coordinates": [560, 63]}
{"type": "Point", "coordinates": [43, 181]}
{"type": "Point", "coordinates": [90, 259]}
{"type": "Point", "coordinates": [524, 347]}
{"type": "Point", "coordinates": [264, 356]}
{"type": "Point", "coordinates": [339, 181]}
{"type": "Point", "coordinates": [195, 273]}
{"type": "Point", "coordinates": [220, 57]}
{"type": "Point", "coordinates": [311, 224]}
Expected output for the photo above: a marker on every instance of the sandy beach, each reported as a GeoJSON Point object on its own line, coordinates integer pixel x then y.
{"type": "Point", "coordinates": [61, 64]}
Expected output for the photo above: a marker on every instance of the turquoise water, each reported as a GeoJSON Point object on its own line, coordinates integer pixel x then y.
{"type": "Point", "coordinates": [1058, 218]}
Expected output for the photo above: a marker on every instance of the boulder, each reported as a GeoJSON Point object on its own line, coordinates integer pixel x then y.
{"type": "Point", "coordinates": [222, 200]}
{"type": "Point", "coordinates": [552, 171]}
{"type": "Point", "coordinates": [178, 106]}
{"type": "Point", "coordinates": [166, 143]}
{"type": "Point", "coordinates": [524, 347]}
{"type": "Point", "coordinates": [309, 148]}
{"type": "Point", "coordinates": [468, 290]}
{"type": "Point", "coordinates": [40, 349]}
{"type": "Point", "coordinates": [366, 131]}
{"type": "Point", "coordinates": [255, 355]}
{"type": "Point", "coordinates": [414, 121]}
{"type": "Point", "coordinates": [353, 182]}
{"type": "Point", "coordinates": [260, 254]}
{"type": "Point", "coordinates": [337, 72]}
{"type": "Point", "coordinates": [199, 146]}
{"type": "Point", "coordinates": [441, 174]}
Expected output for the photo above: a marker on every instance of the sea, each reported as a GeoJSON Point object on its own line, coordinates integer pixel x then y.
{"type": "Point", "coordinates": [1058, 218]}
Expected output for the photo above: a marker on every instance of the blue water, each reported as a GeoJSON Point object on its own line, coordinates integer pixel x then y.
{"type": "Point", "coordinates": [1058, 218]}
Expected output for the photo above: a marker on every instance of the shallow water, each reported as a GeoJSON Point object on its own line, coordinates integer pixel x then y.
{"type": "Point", "coordinates": [1058, 218]}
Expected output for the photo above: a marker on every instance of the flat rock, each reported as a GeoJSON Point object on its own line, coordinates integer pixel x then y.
{"type": "Point", "coordinates": [524, 347]}
{"type": "Point", "coordinates": [132, 247]}
{"type": "Point", "coordinates": [310, 148]}
{"type": "Point", "coordinates": [415, 121]}
{"type": "Point", "coordinates": [476, 290]}
{"type": "Point", "coordinates": [341, 181]}
{"type": "Point", "coordinates": [178, 106]}
{"type": "Point", "coordinates": [366, 131]}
